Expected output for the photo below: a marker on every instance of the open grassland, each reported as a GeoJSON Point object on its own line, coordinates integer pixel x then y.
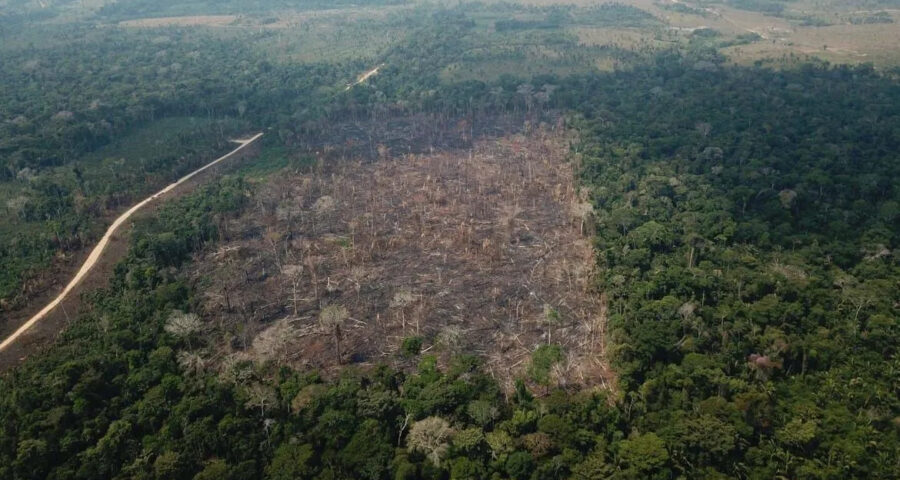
{"type": "Point", "coordinates": [850, 44]}
{"type": "Point", "coordinates": [840, 32]}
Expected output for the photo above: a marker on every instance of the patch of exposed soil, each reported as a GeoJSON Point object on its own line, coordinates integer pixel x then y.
{"type": "Point", "coordinates": [476, 251]}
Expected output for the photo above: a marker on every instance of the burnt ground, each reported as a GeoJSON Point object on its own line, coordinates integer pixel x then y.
{"type": "Point", "coordinates": [476, 250]}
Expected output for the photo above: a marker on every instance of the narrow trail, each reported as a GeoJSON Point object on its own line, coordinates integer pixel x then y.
{"type": "Point", "coordinates": [98, 250]}
{"type": "Point", "coordinates": [362, 78]}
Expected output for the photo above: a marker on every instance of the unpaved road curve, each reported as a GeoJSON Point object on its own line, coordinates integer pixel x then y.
{"type": "Point", "coordinates": [97, 252]}
{"type": "Point", "coordinates": [362, 78]}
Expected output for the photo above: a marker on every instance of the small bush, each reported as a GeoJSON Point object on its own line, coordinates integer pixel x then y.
{"type": "Point", "coordinates": [411, 346]}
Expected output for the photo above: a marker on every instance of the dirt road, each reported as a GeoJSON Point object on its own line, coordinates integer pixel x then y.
{"type": "Point", "coordinates": [98, 250]}
{"type": "Point", "coordinates": [362, 78]}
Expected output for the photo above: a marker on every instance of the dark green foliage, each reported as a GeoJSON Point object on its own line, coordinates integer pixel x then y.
{"type": "Point", "coordinates": [291, 461]}
{"type": "Point", "coordinates": [542, 360]}
{"type": "Point", "coordinates": [741, 263]}
{"type": "Point", "coordinates": [519, 465]}
{"type": "Point", "coordinates": [683, 8]}
{"type": "Point", "coordinates": [644, 456]}
{"type": "Point", "coordinates": [876, 17]}
{"type": "Point", "coordinates": [112, 381]}
{"type": "Point", "coordinates": [411, 346]}
{"type": "Point", "coordinates": [770, 7]}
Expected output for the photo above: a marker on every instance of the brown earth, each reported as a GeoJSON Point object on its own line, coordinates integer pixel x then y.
{"type": "Point", "coordinates": [476, 251]}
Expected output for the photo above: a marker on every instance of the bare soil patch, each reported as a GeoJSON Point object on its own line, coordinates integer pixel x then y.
{"type": "Point", "coordinates": [477, 251]}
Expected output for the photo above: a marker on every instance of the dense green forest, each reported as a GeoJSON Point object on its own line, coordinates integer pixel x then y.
{"type": "Point", "coordinates": [746, 226]}
{"type": "Point", "coordinates": [747, 237]}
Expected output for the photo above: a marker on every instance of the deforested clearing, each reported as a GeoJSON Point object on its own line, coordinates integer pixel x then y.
{"type": "Point", "coordinates": [480, 251]}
